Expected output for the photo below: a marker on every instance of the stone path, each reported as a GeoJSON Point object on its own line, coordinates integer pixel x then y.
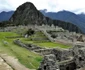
{"type": "Point", "coordinates": [14, 63]}
{"type": "Point", "coordinates": [4, 65]}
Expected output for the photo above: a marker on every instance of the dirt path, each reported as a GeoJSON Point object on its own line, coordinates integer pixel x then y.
{"type": "Point", "coordinates": [4, 65]}
{"type": "Point", "coordinates": [14, 63]}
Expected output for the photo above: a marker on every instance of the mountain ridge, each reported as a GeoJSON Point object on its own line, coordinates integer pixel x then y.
{"type": "Point", "coordinates": [4, 16]}
{"type": "Point", "coordinates": [27, 13]}
{"type": "Point", "coordinates": [67, 16]}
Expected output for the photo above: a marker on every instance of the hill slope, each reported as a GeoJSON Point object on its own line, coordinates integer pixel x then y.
{"type": "Point", "coordinates": [4, 16]}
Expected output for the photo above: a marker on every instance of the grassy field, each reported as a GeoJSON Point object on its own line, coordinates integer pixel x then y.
{"type": "Point", "coordinates": [27, 58]}
{"type": "Point", "coordinates": [41, 40]}
{"type": "Point", "coordinates": [52, 45]}
{"type": "Point", "coordinates": [48, 44]}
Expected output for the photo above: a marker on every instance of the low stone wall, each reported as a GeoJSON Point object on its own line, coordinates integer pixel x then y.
{"type": "Point", "coordinates": [15, 37]}
{"type": "Point", "coordinates": [35, 48]}
{"type": "Point", "coordinates": [27, 46]}
{"type": "Point", "coordinates": [44, 51]}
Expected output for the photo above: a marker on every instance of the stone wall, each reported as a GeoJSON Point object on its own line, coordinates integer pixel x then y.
{"type": "Point", "coordinates": [35, 48]}
{"type": "Point", "coordinates": [49, 63]}
{"type": "Point", "coordinates": [61, 54]}
{"type": "Point", "coordinates": [71, 59]}
{"type": "Point", "coordinates": [27, 46]}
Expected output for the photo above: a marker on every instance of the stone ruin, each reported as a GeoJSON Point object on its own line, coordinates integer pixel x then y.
{"type": "Point", "coordinates": [49, 63]}
{"type": "Point", "coordinates": [27, 46]}
{"type": "Point", "coordinates": [59, 59]}
{"type": "Point", "coordinates": [35, 48]}
{"type": "Point", "coordinates": [71, 59]}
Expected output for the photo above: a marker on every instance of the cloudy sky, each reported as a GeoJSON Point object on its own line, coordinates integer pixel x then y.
{"type": "Point", "coordinates": [76, 6]}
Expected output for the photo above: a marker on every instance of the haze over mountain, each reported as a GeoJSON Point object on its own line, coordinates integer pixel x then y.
{"type": "Point", "coordinates": [4, 16]}
{"type": "Point", "coordinates": [77, 19]}
{"type": "Point", "coordinates": [82, 15]}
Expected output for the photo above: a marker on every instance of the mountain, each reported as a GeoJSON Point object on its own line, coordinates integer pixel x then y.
{"type": "Point", "coordinates": [82, 15]}
{"type": "Point", "coordinates": [4, 16]}
{"type": "Point", "coordinates": [78, 20]}
{"type": "Point", "coordinates": [27, 13]}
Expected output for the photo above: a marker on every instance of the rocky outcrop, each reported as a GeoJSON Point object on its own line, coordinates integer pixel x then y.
{"type": "Point", "coordinates": [28, 14]}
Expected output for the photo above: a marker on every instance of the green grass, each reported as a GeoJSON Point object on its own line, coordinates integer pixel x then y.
{"type": "Point", "coordinates": [52, 45]}
{"type": "Point", "coordinates": [27, 58]}
{"type": "Point", "coordinates": [42, 41]}
{"type": "Point", "coordinates": [38, 36]}
{"type": "Point", "coordinates": [45, 44]}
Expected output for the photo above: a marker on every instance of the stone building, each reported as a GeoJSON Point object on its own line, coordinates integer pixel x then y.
{"type": "Point", "coordinates": [71, 59]}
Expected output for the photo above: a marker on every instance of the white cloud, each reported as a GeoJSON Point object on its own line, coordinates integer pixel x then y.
{"type": "Point", "coordinates": [51, 5]}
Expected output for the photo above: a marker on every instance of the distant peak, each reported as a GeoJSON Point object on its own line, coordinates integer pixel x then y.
{"type": "Point", "coordinates": [64, 11]}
